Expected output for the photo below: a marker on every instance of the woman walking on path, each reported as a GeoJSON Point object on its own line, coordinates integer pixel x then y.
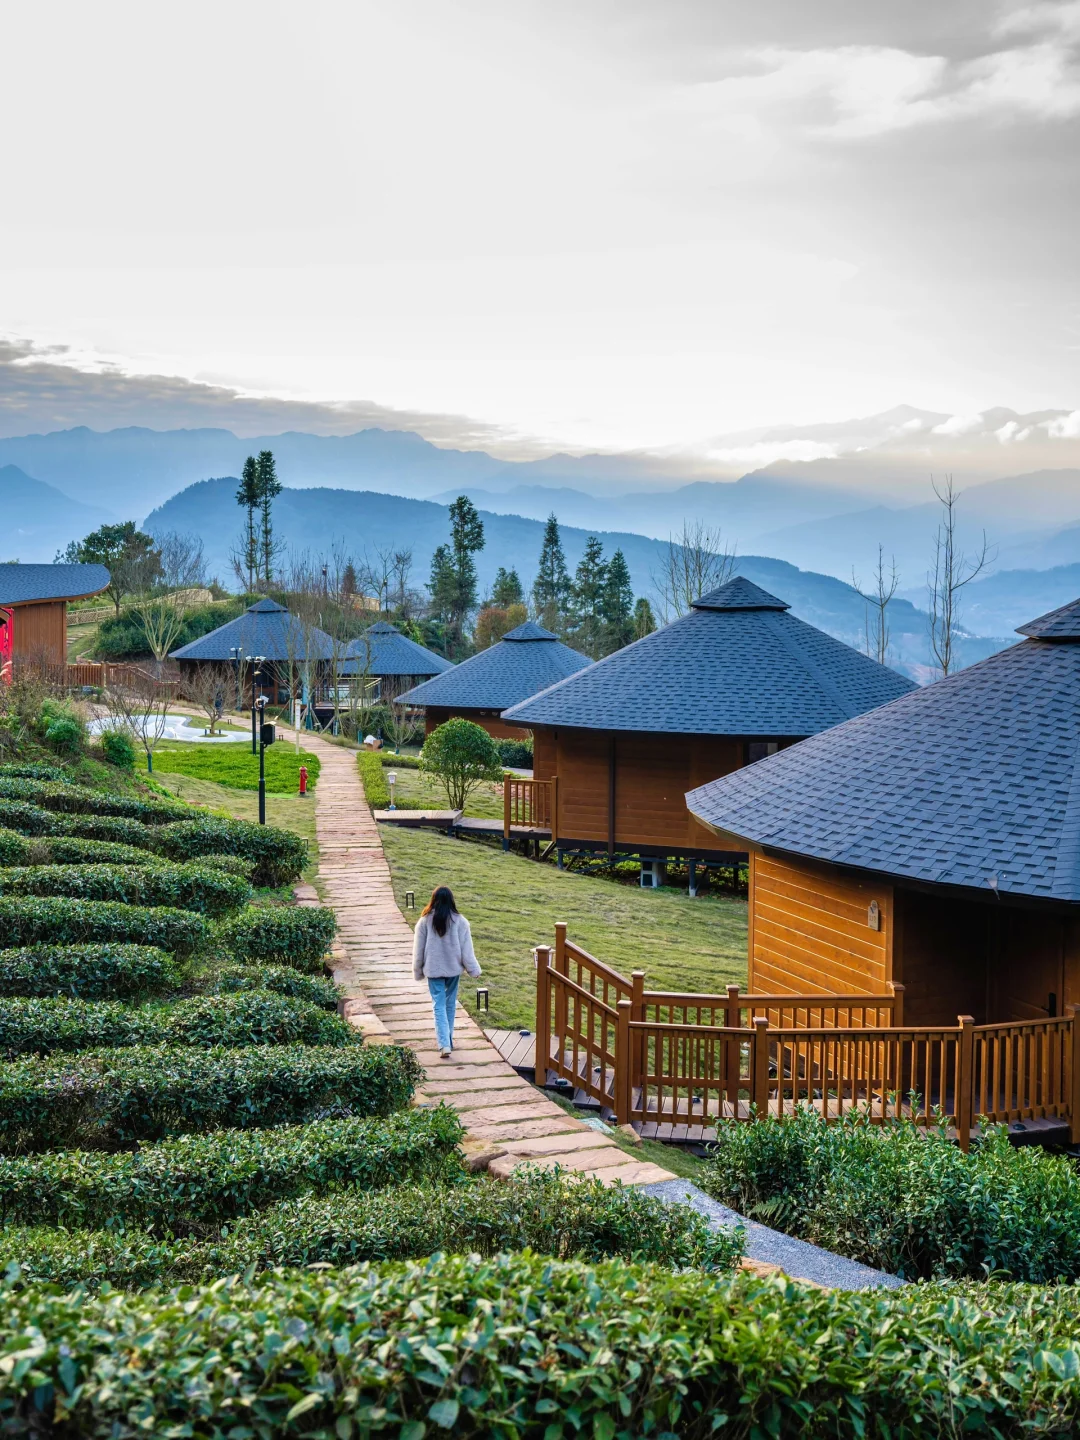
{"type": "Point", "coordinates": [442, 952]}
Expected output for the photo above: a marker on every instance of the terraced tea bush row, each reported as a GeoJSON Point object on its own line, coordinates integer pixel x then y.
{"type": "Point", "coordinates": [296, 935]}
{"type": "Point", "coordinates": [32, 770]}
{"type": "Point", "coordinates": [202, 888]}
{"type": "Point", "coordinates": [40, 1026]}
{"type": "Point", "coordinates": [68, 799]}
{"type": "Point", "coordinates": [550, 1214]}
{"type": "Point", "coordinates": [282, 979]}
{"type": "Point", "coordinates": [527, 1347]}
{"type": "Point", "coordinates": [104, 1099]}
{"type": "Point", "coordinates": [91, 971]}
{"type": "Point", "coordinates": [196, 1182]}
{"type": "Point", "coordinates": [56, 920]}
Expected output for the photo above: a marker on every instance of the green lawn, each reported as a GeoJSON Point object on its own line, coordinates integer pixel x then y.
{"type": "Point", "coordinates": [423, 792]}
{"type": "Point", "coordinates": [234, 765]}
{"type": "Point", "coordinates": [513, 904]}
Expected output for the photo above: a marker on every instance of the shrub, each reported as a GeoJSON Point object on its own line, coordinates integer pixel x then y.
{"type": "Point", "coordinates": [528, 1347]}
{"type": "Point", "coordinates": [203, 888]}
{"type": "Point", "coordinates": [14, 848]}
{"type": "Point", "coordinates": [195, 1182]}
{"type": "Point", "coordinates": [278, 855]}
{"type": "Point", "coordinates": [49, 1025]}
{"type": "Point", "coordinates": [118, 749]}
{"type": "Point", "coordinates": [376, 790]}
{"type": "Point", "coordinates": [32, 770]}
{"type": "Point", "coordinates": [296, 935]}
{"type": "Point", "coordinates": [389, 761]}
{"type": "Point", "coordinates": [461, 756]}
{"type": "Point", "coordinates": [80, 800]}
{"type": "Point", "coordinates": [111, 828]}
{"type": "Point", "coordinates": [903, 1199]}
{"type": "Point", "coordinates": [29, 819]}
{"type": "Point", "coordinates": [104, 1099]}
{"type": "Point", "coordinates": [550, 1214]}
{"type": "Point", "coordinates": [66, 735]}
{"type": "Point", "coordinates": [88, 972]}
{"type": "Point", "coordinates": [517, 754]}
{"type": "Point", "coordinates": [230, 865]}
{"type": "Point", "coordinates": [71, 850]}
{"type": "Point", "coordinates": [281, 979]}
{"type": "Point", "coordinates": [56, 920]}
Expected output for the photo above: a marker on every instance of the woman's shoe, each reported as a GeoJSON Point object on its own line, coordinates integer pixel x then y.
{"type": "Point", "coordinates": [445, 1054]}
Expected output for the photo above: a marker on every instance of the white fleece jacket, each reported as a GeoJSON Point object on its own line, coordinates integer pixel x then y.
{"type": "Point", "coordinates": [440, 957]}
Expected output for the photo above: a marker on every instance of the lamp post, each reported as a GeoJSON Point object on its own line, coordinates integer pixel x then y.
{"type": "Point", "coordinates": [391, 780]}
{"type": "Point", "coordinates": [266, 737]}
{"type": "Point", "coordinates": [235, 651]}
{"type": "Point", "coordinates": [255, 661]}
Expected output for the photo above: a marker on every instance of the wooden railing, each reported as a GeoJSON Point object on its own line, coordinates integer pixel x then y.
{"type": "Point", "coordinates": [529, 803]}
{"type": "Point", "coordinates": [690, 1061]}
{"type": "Point", "coordinates": [95, 674]}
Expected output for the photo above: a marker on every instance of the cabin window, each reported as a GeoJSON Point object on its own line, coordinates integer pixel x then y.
{"type": "Point", "coordinates": [758, 749]}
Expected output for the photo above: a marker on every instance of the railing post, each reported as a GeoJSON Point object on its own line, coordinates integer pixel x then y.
{"type": "Point", "coordinates": [560, 995]}
{"type": "Point", "coordinates": [622, 1064]}
{"type": "Point", "coordinates": [759, 1066]}
{"type": "Point", "coordinates": [965, 1080]}
{"type": "Point", "coordinates": [554, 809]}
{"type": "Point", "coordinates": [1074, 1077]}
{"type": "Point", "coordinates": [543, 1014]}
{"type": "Point", "coordinates": [637, 1012]}
{"type": "Point", "coordinates": [897, 992]}
{"type": "Point", "coordinates": [507, 782]}
{"type": "Point", "coordinates": [733, 1048]}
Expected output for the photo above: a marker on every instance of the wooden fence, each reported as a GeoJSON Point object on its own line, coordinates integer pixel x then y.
{"type": "Point", "coordinates": [529, 804]}
{"type": "Point", "coordinates": [95, 675]}
{"type": "Point", "coordinates": [678, 1064]}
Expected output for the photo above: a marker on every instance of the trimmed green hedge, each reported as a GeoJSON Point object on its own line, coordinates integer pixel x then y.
{"type": "Point", "coordinates": [278, 855]}
{"type": "Point", "coordinates": [71, 850]}
{"type": "Point", "coordinates": [81, 800]}
{"type": "Point", "coordinates": [296, 935]}
{"type": "Point", "coordinates": [529, 1348]}
{"type": "Point", "coordinates": [30, 819]}
{"type": "Point", "coordinates": [905, 1199]}
{"type": "Point", "coordinates": [89, 972]}
{"type": "Point", "coordinates": [33, 770]}
{"type": "Point", "coordinates": [103, 1099]}
{"type": "Point", "coordinates": [376, 790]}
{"type": "Point", "coordinates": [14, 848]}
{"type": "Point", "coordinates": [41, 1025]}
{"type": "Point", "coordinates": [197, 1182]}
{"type": "Point", "coordinates": [282, 979]}
{"type": "Point", "coordinates": [551, 1214]}
{"type": "Point", "coordinates": [56, 920]}
{"type": "Point", "coordinates": [202, 888]}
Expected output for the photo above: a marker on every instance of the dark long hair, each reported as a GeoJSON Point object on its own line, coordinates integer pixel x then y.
{"type": "Point", "coordinates": [440, 907]}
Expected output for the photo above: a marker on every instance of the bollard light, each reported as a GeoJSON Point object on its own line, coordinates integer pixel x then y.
{"type": "Point", "coordinates": [391, 780]}
{"type": "Point", "coordinates": [410, 899]}
{"type": "Point", "coordinates": [481, 992]}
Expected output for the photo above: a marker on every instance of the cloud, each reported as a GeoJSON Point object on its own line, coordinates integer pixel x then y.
{"type": "Point", "coordinates": [54, 387]}
{"type": "Point", "coordinates": [959, 425]}
{"type": "Point", "coordinates": [1064, 427]}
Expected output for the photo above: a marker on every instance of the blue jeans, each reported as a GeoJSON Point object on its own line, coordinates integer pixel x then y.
{"type": "Point", "coordinates": [444, 1002]}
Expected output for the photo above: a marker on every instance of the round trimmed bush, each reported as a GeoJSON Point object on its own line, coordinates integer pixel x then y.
{"type": "Point", "coordinates": [118, 749]}
{"type": "Point", "coordinates": [296, 935]}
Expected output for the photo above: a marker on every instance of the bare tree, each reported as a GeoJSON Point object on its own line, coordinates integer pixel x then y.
{"type": "Point", "coordinates": [376, 575]}
{"type": "Point", "coordinates": [163, 589]}
{"type": "Point", "coordinates": [140, 707]}
{"type": "Point", "coordinates": [696, 561]}
{"type": "Point", "coordinates": [952, 571]}
{"type": "Point", "coordinates": [877, 600]}
{"type": "Point", "coordinates": [403, 721]}
{"type": "Point", "coordinates": [210, 689]}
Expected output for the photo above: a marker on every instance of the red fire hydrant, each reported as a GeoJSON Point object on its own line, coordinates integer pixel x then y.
{"type": "Point", "coordinates": [303, 779]}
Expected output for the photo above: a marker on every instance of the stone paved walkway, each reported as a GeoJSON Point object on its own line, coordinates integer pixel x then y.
{"type": "Point", "coordinates": [508, 1121]}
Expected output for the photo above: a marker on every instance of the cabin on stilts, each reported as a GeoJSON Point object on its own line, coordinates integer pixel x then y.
{"type": "Point", "coordinates": [527, 659]}
{"type": "Point", "coordinates": [389, 662]}
{"type": "Point", "coordinates": [33, 611]}
{"type": "Point", "coordinates": [731, 682]}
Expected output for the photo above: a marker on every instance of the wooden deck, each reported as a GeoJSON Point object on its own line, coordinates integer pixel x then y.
{"type": "Point", "coordinates": [508, 1121]}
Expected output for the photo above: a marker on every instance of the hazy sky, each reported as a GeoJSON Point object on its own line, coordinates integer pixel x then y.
{"type": "Point", "coordinates": [611, 223]}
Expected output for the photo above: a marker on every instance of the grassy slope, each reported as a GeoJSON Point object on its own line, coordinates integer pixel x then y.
{"type": "Point", "coordinates": [513, 904]}
{"type": "Point", "coordinates": [234, 765]}
{"type": "Point", "coordinates": [287, 811]}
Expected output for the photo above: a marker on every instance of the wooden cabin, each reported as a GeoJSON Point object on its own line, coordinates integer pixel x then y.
{"type": "Point", "coordinates": [390, 661]}
{"type": "Point", "coordinates": [33, 608]}
{"type": "Point", "coordinates": [934, 842]}
{"type": "Point", "coordinates": [289, 651]}
{"type": "Point", "coordinates": [526, 660]}
{"type": "Point", "coordinates": [733, 681]}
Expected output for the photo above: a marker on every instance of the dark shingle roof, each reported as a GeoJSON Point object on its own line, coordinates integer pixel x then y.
{"type": "Point", "coordinates": [21, 584]}
{"type": "Point", "coordinates": [265, 628]}
{"type": "Point", "coordinates": [737, 664]}
{"type": "Point", "coordinates": [383, 650]}
{"type": "Point", "coordinates": [526, 660]}
{"type": "Point", "coordinates": [1060, 624]}
{"type": "Point", "coordinates": [972, 781]}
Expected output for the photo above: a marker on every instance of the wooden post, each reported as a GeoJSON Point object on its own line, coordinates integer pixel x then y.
{"type": "Point", "coordinates": [560, 947]}
{"type": "Point", "coordinates": [1074, 1077]}
{"type": "Point", "coordinates": [733, 1048]}
{"type": "Point", "coordinates": [965, 1080]}
{"type": "Point", "coordinates": [555, 810]}
{"type": "Point", "coordinates": [759, 1066]}
{"type": "Point", "coordinates": [622, 1064]}
{"type": "Point", "coordinates": [543, 1014]}
{"type": "Point", "coordinates": [897, 991]}
{"type": "Point", "coordinates": [507, 782]}
{"type": "Point", "coordinates": [637, 1012]}
{"type": "Point", "coordinates": [560, 998]}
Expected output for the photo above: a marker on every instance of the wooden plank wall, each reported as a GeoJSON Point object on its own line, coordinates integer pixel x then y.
{"type": "Point", "coordinates": [41, 631]}
{"type": "Point", "coordinates": [487, 720]}
{"type": "Point", "coordinates": [810, 930]}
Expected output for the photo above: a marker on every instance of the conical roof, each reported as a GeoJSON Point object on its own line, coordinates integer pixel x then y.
{"type": "Point", "coordinates": [265, 628]}
{"type": "Point", "coordinates": [738, 664]}
{"type": "Point", "coordinates": [502, 675]}
{"type": "Point", "coordinates": [383, 650]}
{"type": "Point", "coordinates": [971, 781]}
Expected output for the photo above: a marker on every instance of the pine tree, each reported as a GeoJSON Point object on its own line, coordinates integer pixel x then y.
{"type": "Point", "coordinates": [269, 490]}
{"type": "Point", "coordinates": [466, 538]}
{"type": "Point", "coordinates": [507, 589]}
{"type": "Point", "coordinates": [441, 584]}
{"type": "Point", "coordinates": [551, 588]}
{"type": "Point", "coordinates": [348, 581]}
{"type": "Point", "coordinates": [248, 496]}
{"type": "Point", "coordinates": [590, 583]}
{"type": "Point", "coordinates": [617, 605]}
{"type": "Point", "coordinates": [644, 619]}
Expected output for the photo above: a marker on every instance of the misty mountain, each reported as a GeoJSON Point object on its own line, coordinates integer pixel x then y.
{"type": "Point", "coordinates": [317, 520]}
{"type": "Point", "coordinates": [36, 519]}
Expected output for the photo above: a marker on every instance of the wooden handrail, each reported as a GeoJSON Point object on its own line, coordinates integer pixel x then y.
{"type": "Point", "coordinates": [528, 803]}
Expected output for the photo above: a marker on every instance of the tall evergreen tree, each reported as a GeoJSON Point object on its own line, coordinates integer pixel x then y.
{"type": "Point", "coordinates": [269, 490]}
{"type": "Point", "coordinates": [466, 538]}
{"type": "Point", "coordinates": [644, 619]}
{"type": "Point", "coordinates": [590, 584]}
{"type": "Point", "coordinates": [551, 588]}
{"type": "Point", "coordinates": [617, 604]}
{"type": "Point", "coordinates": [247, 560]}
{"type": "Point", "coordinates": [507, 589]}
{"type": "Point", "coordinates": [441, 584]}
